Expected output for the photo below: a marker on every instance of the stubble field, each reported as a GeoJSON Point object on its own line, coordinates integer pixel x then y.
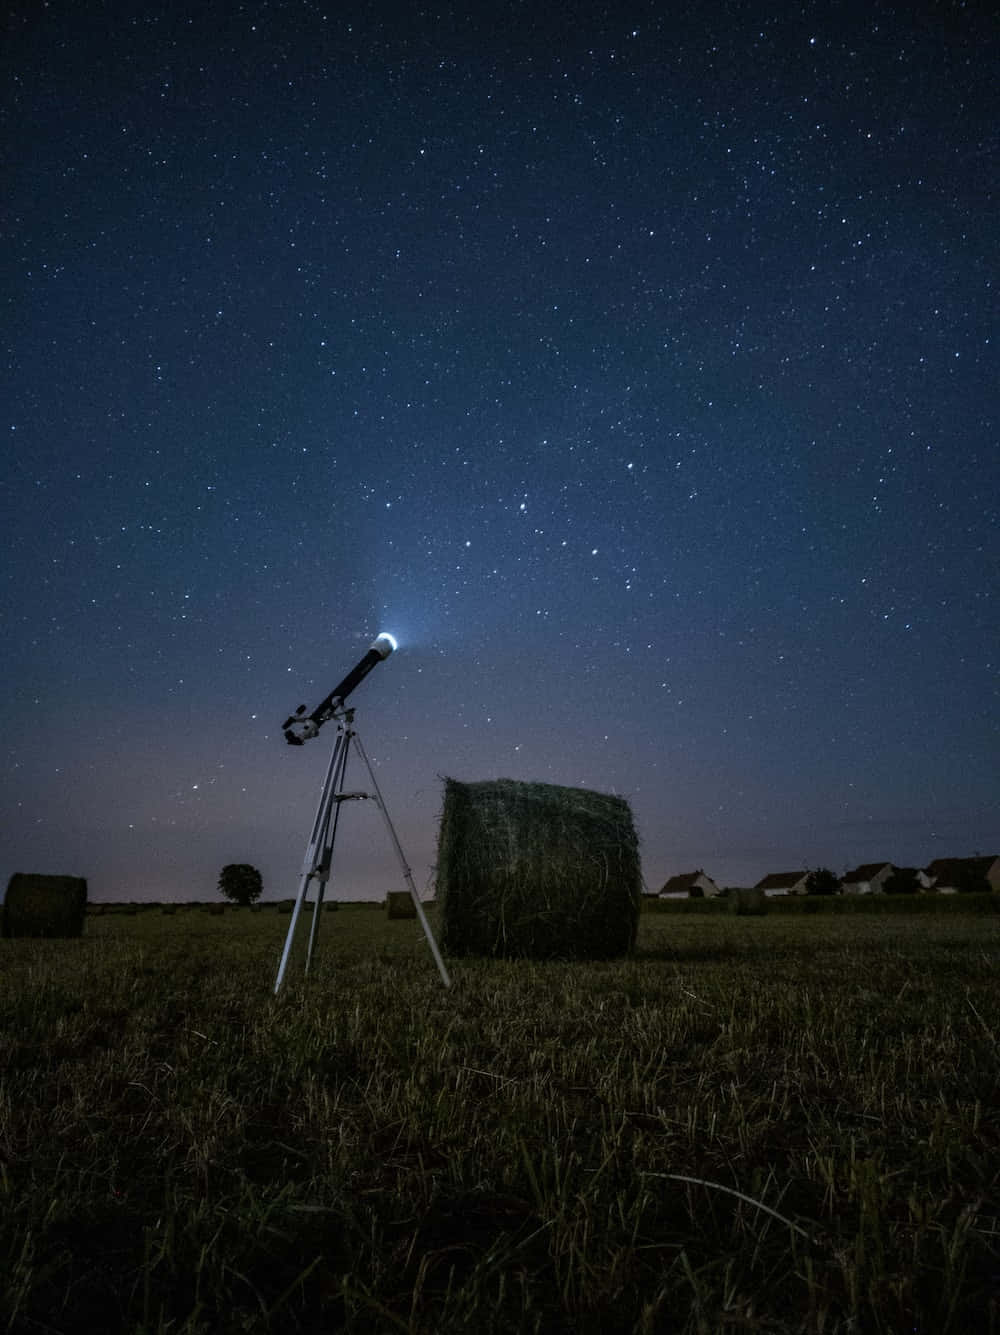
{"type": "Point", "coordinates": [756, 1124]}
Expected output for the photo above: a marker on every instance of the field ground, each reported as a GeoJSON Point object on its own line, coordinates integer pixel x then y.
{"type": "Point", "coordinates": [756, 1124]}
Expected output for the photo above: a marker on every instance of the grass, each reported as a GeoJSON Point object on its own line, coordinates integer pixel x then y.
{"type": "Point", "coordinates": [771, 1124]}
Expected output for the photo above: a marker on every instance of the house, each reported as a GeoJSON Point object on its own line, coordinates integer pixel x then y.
{"type": "Point", "coordinates": [948, 874]}
{"type": "Point", "coordinates": [690, 885]}
{"type": "Point", "coordinates": [868, 879]}
{"type": "Point", "coordinates": [783, 883]}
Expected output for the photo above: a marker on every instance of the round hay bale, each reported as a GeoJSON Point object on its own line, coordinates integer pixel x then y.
{"type": "Point", "coordinates": [399, 904]}
{"type": "Point", "coordinates": [46, 906]}
{"type": "Point", "coordinates": [750, 903]}
{"type": "Point", "coordinates": [215, 910]}
{"type": "Point", "coordinates": [538, 871]}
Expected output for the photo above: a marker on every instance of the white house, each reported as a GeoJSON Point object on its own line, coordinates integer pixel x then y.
{"type": "Point", "coordinates": [947, 874]}
{"type": "Point", "coordinates": [868, 879]}
{"type": "Point", "coordinates": [783, 883]}
{"type": "Point", "coordinates": [690, 885]}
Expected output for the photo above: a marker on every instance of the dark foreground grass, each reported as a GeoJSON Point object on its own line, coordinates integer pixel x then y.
{"type": "Point", "coordinates": [757, 1124]}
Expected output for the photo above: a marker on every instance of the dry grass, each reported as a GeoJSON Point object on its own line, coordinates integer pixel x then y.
{"type": "Point", "coordinates": [755, 1124]}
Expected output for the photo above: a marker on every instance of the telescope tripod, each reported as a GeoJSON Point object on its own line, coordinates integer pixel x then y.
{"type": "Point", "coordinates": [319, 851]}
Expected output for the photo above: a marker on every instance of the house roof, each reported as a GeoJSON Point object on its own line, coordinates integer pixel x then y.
{"type": "Point", "coordinates": [943, 868]}
{"type": "Point", "coordinates": [683, 881]}
{"type": "Point", "coordinates": [780, 880]}
{"type": "Point", "coordinates": [866, 872]}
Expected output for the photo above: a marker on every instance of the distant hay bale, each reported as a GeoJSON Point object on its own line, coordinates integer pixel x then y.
{"type": "Point", "coordinates": [399, 904]}
{"type": "Point", "coordinates": [169, 909]}
{"type": "Point", "coordinates": [748, 903]}
{"type": "Point", "coordinates": [331, 906]}
{"type": "Point", "coordinates": [536, 870]}
{"type": "Point", "coordinates": [286, 905]}
{"type": "Point", "coordinates": [44, 906]}
{"type": "Point", "coordinates": [216, 910]}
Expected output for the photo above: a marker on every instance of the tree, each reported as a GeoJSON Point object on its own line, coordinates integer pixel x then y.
{"type": "Point", "coordinates": [903, 881]}
{"type": "Point", "coordinates": [240, 882]}
{"type": "Point", "coordinates": [822, 881]}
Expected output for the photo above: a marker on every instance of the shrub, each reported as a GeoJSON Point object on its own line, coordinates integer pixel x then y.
{"type": "Point", "coordinates": [46, 906]}
{"type": "Point", "coordinates": [822, 881]}
{"type": "Point", "coordinates": [903, 881]}
{"type": "Point", "coordinates": [537, 870]}
{"type": "Point", "coordinates": [971, 881]}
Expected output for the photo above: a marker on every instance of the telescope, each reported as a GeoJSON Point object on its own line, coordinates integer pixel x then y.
{"type": "Point", "coordinates": [301, 727]}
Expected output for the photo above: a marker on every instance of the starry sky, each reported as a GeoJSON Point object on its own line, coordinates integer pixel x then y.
{"type": "Point", "coordinates": [635, 368]}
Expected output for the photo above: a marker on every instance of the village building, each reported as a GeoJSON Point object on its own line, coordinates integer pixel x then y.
{"type": "Point", "coordinates": [783, 883]}
{"type": "Point", "coordinates": [948, 874]}
{"type": "Point", "coordinates": [868, 879]}
{"type": "Point", "coordinates": [690, 885]}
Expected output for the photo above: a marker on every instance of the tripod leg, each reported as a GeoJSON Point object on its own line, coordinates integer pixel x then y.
{"type": "Point", "coordinates": [315, 851]}
{"type": "Point", "coordinates": [407, 874]}
{"type": "Point", "coordinates": [323, 870]}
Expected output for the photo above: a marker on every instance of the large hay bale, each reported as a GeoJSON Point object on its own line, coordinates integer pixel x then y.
{"type": "Point", "coordinates": [749, 903]}
{"type": "Point", "coordinates": [47, 906]}
{"type": "Point", "coordinates": [537, 870]}
{"type": "Point", "coordinates": [399, 904]}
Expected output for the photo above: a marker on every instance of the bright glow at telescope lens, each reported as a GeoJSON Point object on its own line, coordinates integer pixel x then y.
{"type": "Point", "coordinates": [385, 644]}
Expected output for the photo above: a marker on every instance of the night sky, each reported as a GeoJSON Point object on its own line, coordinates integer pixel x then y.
{"type": "Point", "coordinates": [635, 369]}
